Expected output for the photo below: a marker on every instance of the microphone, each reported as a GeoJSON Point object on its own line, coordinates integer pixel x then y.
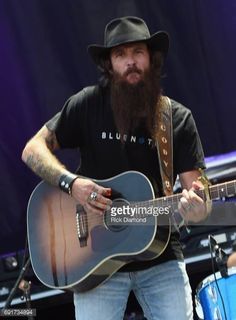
{"type": "Point", "coordinates": [231, 262]}
{"type": "Point", "coordinates": [221, 256]}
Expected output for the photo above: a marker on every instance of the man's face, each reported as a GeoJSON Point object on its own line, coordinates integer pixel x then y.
{"type": "Point", "coordinates": [130, 61]}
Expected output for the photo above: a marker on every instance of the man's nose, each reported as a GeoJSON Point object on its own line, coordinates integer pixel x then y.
{"type": "Point", "coordinates": [130, 61]}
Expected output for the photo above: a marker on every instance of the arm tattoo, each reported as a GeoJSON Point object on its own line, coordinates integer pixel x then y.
{"type": "Point", "coordinates": [43, 169]}
{"type": "Point", "coordinates": [43, 162]}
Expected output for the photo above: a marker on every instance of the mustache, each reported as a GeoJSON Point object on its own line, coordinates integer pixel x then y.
{"type": "Point", "coordinates": [131, 70]}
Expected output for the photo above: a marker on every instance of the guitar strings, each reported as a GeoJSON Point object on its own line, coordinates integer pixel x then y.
{"type": "Point", "coordinates": [216, 191]}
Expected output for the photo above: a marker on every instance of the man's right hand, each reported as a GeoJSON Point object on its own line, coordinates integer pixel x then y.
{"type": "Point", "coordinates": [82, 189]}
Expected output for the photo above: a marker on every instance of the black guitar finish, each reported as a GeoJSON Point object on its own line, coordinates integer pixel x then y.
{"type": "Point", "coordinates": [62, 260]}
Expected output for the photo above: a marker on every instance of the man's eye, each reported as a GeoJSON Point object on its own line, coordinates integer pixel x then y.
{"type": "Point", "coordinates": [119, 54]}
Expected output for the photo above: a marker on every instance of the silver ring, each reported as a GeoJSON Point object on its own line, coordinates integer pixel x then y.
{"type": "Point", "coordinates": [93, 196]}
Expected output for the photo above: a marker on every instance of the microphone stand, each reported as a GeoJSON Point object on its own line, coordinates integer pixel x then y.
{"type": "Point", "coordinates": [221, 261]}
{"type": "Point", "coordinates": [25, 287]}
{"type": "Point", "coordinates": [221, 257]}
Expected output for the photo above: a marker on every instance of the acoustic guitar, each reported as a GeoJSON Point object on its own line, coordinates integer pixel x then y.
{"type": "Point", "coordinates": [71, 249]}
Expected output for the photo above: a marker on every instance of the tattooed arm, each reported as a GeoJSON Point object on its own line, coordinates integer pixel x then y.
{"type": "Point", "coordinates": [38, 155]}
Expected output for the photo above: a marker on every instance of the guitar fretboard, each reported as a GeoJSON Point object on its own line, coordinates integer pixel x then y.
{"type": "Point", "coordinates": [226, 189]}
{"type": "Point", "coordinates": [218, 191]}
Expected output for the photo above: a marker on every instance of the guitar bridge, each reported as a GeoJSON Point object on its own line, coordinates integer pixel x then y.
{"type": "Point", "coordinates": [82, 225]}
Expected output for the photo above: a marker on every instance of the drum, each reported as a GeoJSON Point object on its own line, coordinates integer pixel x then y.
{"type": "Point", "coordinates": [216, 300]}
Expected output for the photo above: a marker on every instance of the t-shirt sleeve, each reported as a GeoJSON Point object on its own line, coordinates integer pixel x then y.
{"type": "Point", "coordinates": [67, 123]}
{"type": "Point", "coordinates": [188, 152]}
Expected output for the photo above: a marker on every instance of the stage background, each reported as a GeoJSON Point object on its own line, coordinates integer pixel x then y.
{"type": "Point", "coordinates": [43, 60]}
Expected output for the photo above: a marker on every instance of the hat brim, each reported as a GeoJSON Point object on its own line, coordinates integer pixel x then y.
{"type": "Point", "coordinates": [159, 41]}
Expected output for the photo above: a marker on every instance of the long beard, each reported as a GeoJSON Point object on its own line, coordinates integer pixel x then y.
{"type": "Point", "coordinates": [136, 105]}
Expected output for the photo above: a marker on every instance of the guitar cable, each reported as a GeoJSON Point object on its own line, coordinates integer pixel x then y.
{"type": "Point", "coordinates": [214, 274]}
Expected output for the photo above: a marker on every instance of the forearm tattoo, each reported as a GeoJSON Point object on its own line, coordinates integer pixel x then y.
{"type": "Point", "coordinates": [43, 169]}
{"type": "Point", "coordinates": [43, 162]}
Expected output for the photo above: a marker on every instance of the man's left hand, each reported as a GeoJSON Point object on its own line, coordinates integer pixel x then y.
{"type": "Point", "coordinates": [191, 206]}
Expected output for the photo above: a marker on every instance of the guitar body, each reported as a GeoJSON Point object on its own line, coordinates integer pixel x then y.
{"type": "Point", "coordinates": [61, 261]}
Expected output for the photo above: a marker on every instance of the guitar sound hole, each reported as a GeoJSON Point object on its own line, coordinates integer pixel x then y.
{"type": "Point", "coordinates": [113, 218]}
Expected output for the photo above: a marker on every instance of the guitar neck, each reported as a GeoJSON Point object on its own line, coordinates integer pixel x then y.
{"type": "Point", "coordinates": [218, 191]}
{"type": "Point", "coordinates": [222, 190]}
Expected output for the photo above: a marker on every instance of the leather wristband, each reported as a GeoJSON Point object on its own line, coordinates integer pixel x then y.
{"type": "Point", "coordinates": [66, 181]}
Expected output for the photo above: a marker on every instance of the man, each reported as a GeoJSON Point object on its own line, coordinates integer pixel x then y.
{"type": "Point", "coordinates": [115, 125]}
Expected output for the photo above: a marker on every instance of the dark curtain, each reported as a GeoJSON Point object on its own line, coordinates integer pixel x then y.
{"type": "Point", "coordinates": [43, 60]}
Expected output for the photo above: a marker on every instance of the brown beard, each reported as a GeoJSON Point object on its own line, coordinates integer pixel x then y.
{"type": "Point", "coordinates": [136, 105]}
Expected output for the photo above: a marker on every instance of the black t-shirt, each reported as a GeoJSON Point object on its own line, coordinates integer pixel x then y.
{"type": "Point", "coordinates": [86, 122]}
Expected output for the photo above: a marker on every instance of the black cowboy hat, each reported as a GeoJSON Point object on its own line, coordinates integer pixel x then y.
{"type": "Point", "coordinates": [127, 30]}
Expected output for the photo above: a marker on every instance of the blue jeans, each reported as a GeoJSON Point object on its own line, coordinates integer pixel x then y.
{"type": "Point", "coordinates": [163, 292]}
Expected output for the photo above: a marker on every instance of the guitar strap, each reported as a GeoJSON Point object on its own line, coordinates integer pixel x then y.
{"type": "Point", "coordinates": [164, 143]}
